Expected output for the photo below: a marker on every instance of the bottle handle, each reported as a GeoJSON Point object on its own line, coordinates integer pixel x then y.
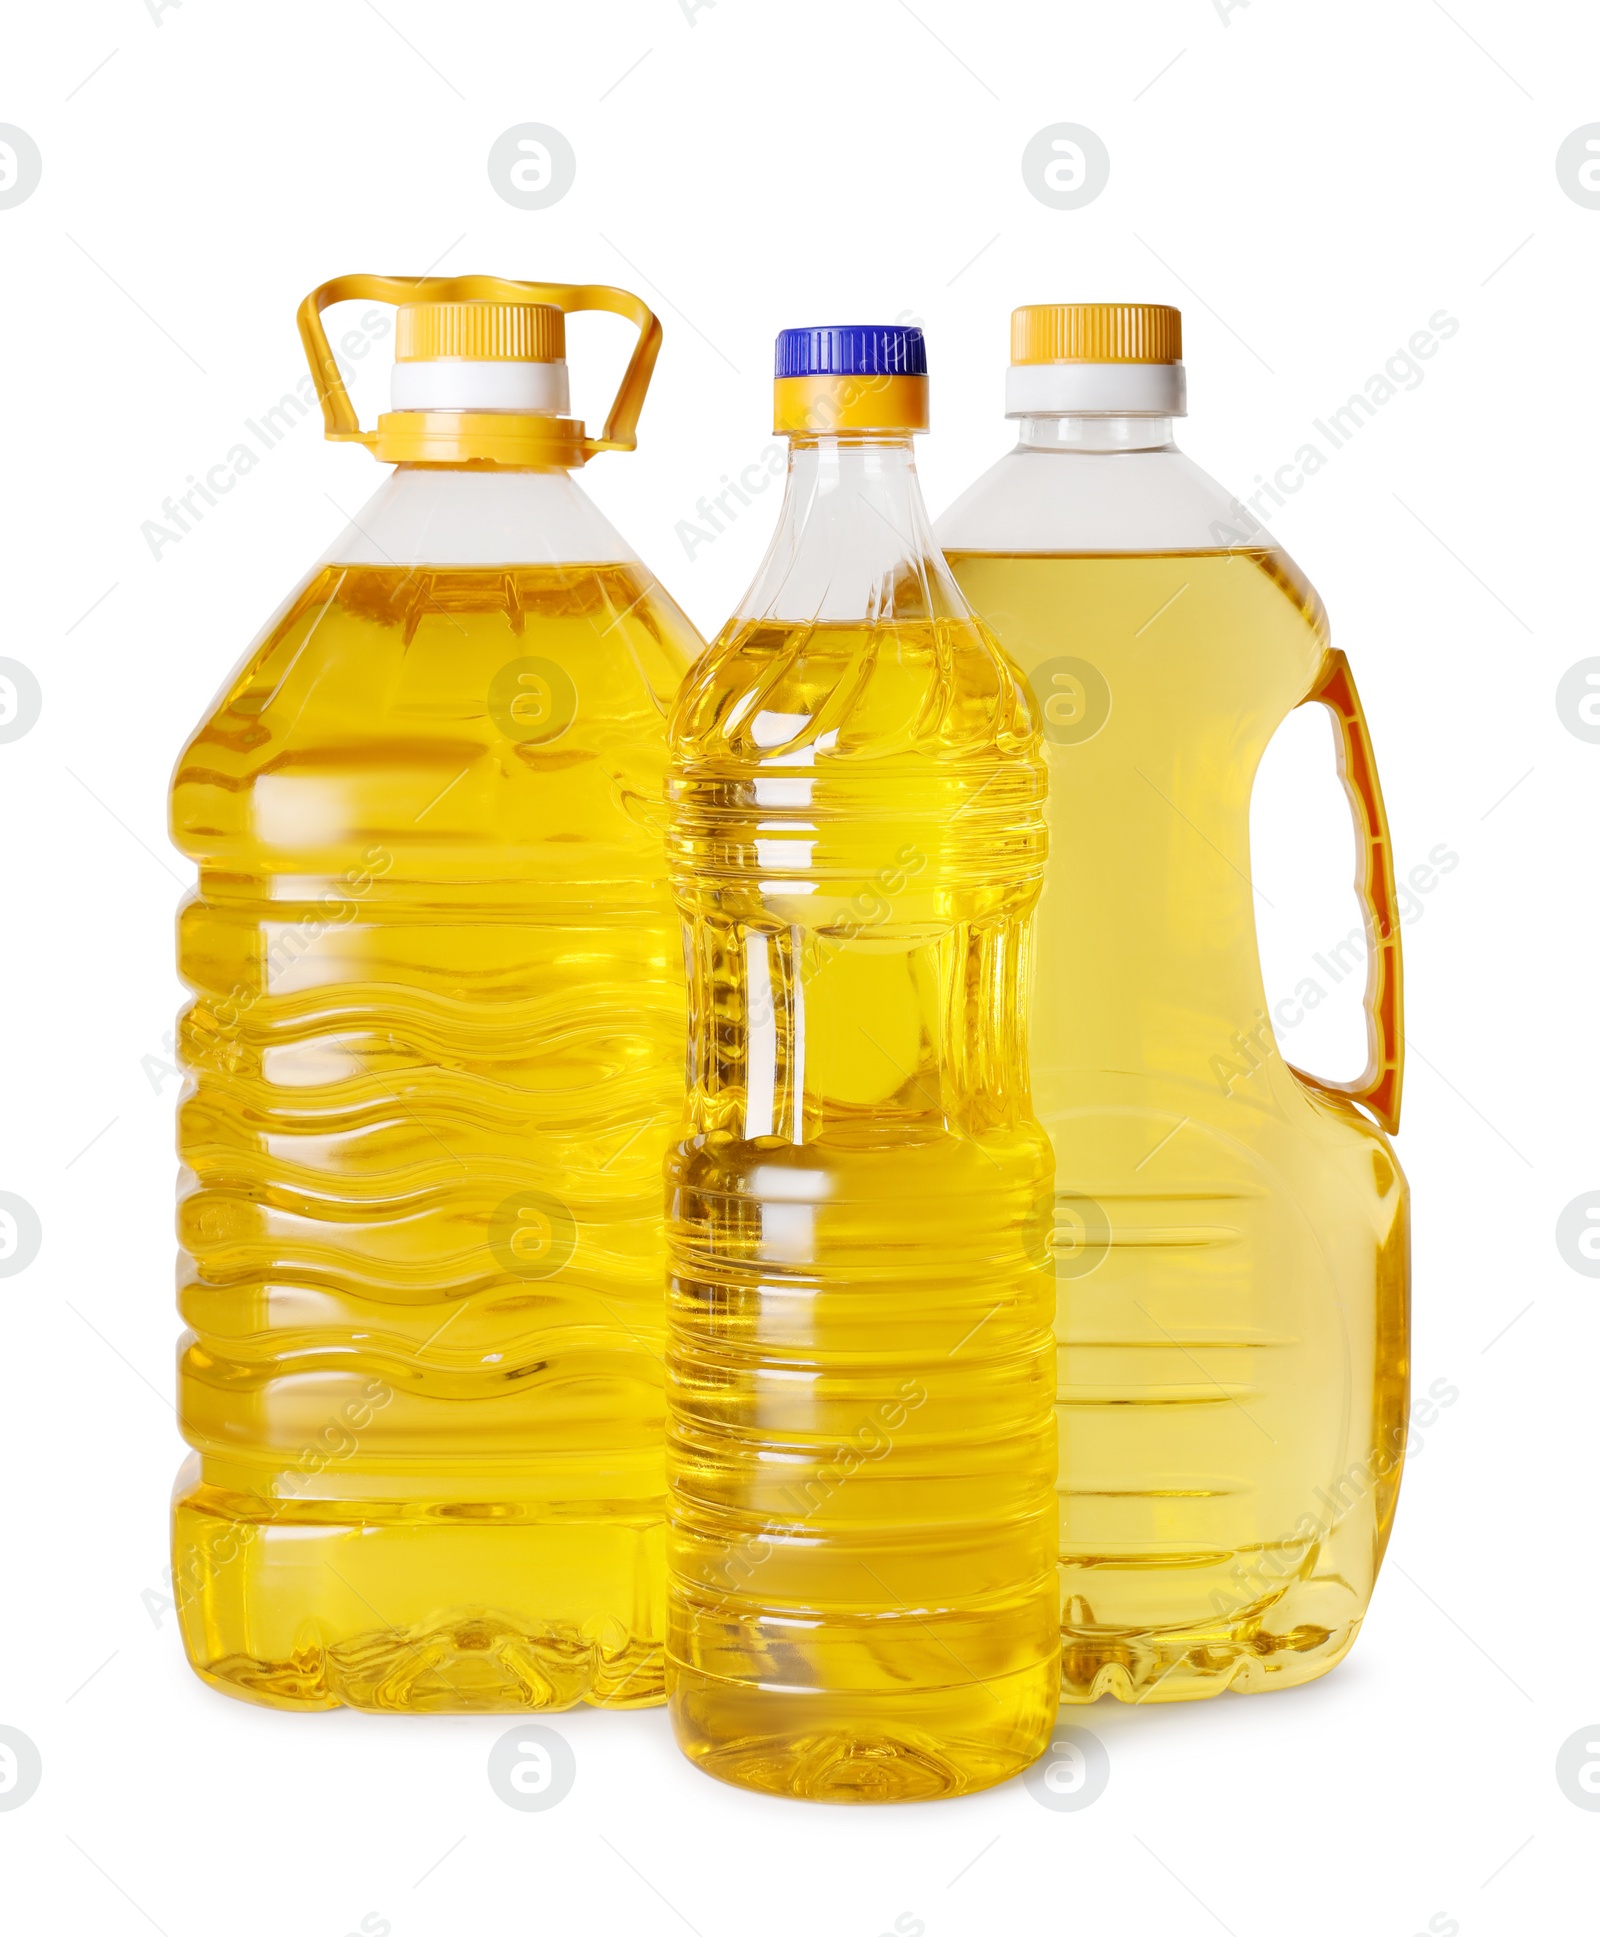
{"type": "Point", "coordinates": [342, 426]}
{"type": "Point", "coordinates": [1378, 1086]}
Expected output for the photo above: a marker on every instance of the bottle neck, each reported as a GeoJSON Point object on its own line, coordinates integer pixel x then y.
{"type": "Point", "coordinates": [1101, 432]}
{"type": "Point", "coordinates": [854, 539]}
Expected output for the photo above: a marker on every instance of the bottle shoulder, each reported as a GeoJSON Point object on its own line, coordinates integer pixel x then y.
{"type": "Point", "coordinates": [496, 557]}
{"type": "Point", "coordinates": [1096, 501]}
{"type": "Point", "coordinates": [538, 692]}
{"type": "Point", "coordinates": [777, 692]}
{"type": "Point", "coordinates": [427, 515]}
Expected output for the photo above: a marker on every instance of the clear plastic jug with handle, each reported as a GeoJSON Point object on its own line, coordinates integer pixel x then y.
{"type": "Point", "coordinates": [434, 1051]}
{"type": "Point", "coordinates": [1231, 1233]}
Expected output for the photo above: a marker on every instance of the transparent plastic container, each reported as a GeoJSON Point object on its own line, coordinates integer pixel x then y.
{"type": "Point", "coordinates": [1230, 1233]}
{"type": "Point", "coordinates": [434, 1052]}
{"type": "Point", "coordinates": [861, 1600]}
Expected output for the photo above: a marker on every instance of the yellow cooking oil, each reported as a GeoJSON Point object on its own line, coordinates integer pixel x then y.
{"type": "Point", "coordinates": [434, 1052]}
{"type": "Point", "coordinates": [861, 1447]}
{"type": "Point", "coordinates": [862, 1450]}
{"type": "Point", "coordinates": [1230, 1238]}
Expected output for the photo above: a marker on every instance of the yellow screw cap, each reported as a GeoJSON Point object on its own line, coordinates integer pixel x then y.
{"type": "Point", "coordinates": [483, 331]}
{"type": "Point", "coordinates": [1096, 333]}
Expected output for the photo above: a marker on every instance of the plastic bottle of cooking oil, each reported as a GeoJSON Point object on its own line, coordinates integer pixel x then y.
{"type": "Point", "coordinates": [1231, 1234]}
{"type": "Point", "coordinates": [861, 1448]}
{"type": "Point", "coordinates": [434, 1053]}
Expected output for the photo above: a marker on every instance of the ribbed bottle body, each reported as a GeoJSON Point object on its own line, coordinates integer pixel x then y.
{"type": "Point", "coordinates": [434, 1051]}
{"type": "Point", "coordinates": [860, 1368]}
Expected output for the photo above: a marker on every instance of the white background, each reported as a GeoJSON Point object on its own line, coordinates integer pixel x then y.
{"type": "Point", "coordinates": [1310, 180]}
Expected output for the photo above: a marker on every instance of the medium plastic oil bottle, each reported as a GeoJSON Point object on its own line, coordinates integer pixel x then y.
{"type": "Point", "coordinates": [1231, 1234]}
{"type": "Point", "coordinates": [434, 1052]}
{"type": "Point", "coordinates": [861, 1600]}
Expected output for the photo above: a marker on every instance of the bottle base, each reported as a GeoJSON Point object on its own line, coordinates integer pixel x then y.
{"type": "Point", "coordinates": [425, 1616]}
{"type": "Point", "coordinates": [471, 1661]}
{"type": "Point", "coordinates": [915, 1745]}
{"type": "Point", "coordinates": [1193, 1664]}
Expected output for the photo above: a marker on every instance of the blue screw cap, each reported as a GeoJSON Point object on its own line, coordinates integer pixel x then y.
{"type": "Point", "coordinates": [852, 350]}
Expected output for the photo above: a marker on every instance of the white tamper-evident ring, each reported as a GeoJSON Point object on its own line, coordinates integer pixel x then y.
{"type": "Point", "coordinates": [468, 383]}
{"type": "Point", "coordinates": [1096, 389]}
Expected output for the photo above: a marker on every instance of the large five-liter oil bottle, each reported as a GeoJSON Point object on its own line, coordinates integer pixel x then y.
{"type": "Point", "coordinates": [1231, 1234]}
{"type": "Point", "coordinates": [862, 1597]}
{"type": "Point", "coordinates": [434, 1053]}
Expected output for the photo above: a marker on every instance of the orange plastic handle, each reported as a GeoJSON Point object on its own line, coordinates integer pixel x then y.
{"type": "Point", "coordinates": [339, 418]}
{"type": "Point", "coordinates": [1378, 1086]}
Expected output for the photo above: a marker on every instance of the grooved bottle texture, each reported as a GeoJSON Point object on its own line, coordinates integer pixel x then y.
{"type": "Point", "coordinates": [1232, 1245]}
{"type": "Point", "coordinates": [433, 1053]}
{"type": "Point", "coordinates": [860, 1369]}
